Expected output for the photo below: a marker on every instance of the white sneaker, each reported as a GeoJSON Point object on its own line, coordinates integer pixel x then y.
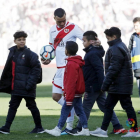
{"type": "Point", "coordinates": [83, 132]}
{"type": "Point", "coordinates": [55, 132]}
{"type": "Point", "coordinates": [99, 133]}
{"type": "Point", "coordinates": [131, 134]}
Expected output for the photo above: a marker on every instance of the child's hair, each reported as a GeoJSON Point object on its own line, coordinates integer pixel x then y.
{"type": "Point", "coordinates": [71, 47]}
{"type": "Point", "coordinates": [113, 31]}
{"type": "Point", "coordinates": [19, 34]}
{"type": "Point", "coordinates": [90, 35]}
{"type": "Point", "coordinates": [136, 19]}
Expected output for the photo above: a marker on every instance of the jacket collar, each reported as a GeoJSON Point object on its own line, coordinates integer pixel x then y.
{"type": "Point", "coordinates": [87, 49]}
{"type": "Point", "coordinates": [111, 43]}
{"type": "Point", "coordinates": [15, 47]}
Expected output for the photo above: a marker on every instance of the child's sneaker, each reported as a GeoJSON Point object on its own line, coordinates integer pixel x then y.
{"type": "Point", "coordinates": [74, 130]}
{"type": "Point", "coordinates": [118, 130]}
{"type": "Point", "coordinates": [55, 132]}
{"type": "Point", "coordinates": [99, 133]}
{"type": "Point", "coordinates": [84, 132]}
{"type": "Point", "coordinates": [37, 130]}
{"type": "Point", "coordinates": [4, 130]}
{"type": "Point", "coordinates": [64, 132]}
{"type": "Point", "coordinates": [131, 133]}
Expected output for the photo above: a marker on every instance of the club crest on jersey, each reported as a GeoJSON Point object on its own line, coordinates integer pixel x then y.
{"type": "Point", "coordinates": [66, 30]}
{"type": "Point", "coordinates": [23, 56]}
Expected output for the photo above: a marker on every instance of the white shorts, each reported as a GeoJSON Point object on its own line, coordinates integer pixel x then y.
{"type": "Point", "coordinates": [58, 85]}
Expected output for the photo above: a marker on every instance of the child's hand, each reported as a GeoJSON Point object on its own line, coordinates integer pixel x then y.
{"type": "Point", "coordinates": [45, 62]}
{"type": "Point", "coordinates": [97, 42]}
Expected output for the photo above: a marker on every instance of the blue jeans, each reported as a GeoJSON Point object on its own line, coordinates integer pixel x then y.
{"type": "Point", "coordinates": [77, 104]}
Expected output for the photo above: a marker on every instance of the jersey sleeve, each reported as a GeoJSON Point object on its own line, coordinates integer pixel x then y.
{"type": "Point", "coordinates": [78, 32]}
{"type": "Point", "coordinates": [50, 38]}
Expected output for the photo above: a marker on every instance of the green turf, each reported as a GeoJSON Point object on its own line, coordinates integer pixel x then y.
{"type": "Point", "coordinates": [50, 112]}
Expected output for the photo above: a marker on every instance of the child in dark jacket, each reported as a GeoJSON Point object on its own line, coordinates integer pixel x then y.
{"type": "Point", "coordinates": [118, 82]}
{"type": "Point", "coordinates": [74, 88]}
{"type": "Point", "coordinates": [19, 78]}
{"type": "Point", "coordinates": [94, 75]}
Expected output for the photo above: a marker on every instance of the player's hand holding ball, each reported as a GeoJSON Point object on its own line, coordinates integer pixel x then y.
{"type": "Point", "coordinates": [45, 62]}
{"type": "Point", "coordinates": [47, 54]}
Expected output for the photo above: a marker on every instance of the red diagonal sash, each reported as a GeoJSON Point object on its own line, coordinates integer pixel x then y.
{"type": "Point", "coordinates": [62, 34]}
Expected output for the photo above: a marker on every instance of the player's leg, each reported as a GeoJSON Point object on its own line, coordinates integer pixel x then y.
{"type": "Point", "coordinates": [14, 104]}
{"type": "Point", "coordinates": [57, 95]}
{"type": "Point", "coordinates": [31, 104]}
{"type": "Point", "coordinates": [57, 87]}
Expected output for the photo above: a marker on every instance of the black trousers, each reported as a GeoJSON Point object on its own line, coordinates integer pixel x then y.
{"type": "Point", "coordinates": [30, 103]}
{"type": "Point", "coordinates": [89, 100]}
{"type": "Point", "coordinates": [126, 103]}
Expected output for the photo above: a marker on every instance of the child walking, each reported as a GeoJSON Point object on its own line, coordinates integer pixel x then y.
{"type": "Point", "coordinates": [94, 75]}
{"type": "Point", "coordinates": [74, 88]}
{"type": "Point", "coordinates": [19, 78]}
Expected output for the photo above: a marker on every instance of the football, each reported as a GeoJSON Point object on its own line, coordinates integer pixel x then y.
{"type": "Point", "coordinates": [47, 52]}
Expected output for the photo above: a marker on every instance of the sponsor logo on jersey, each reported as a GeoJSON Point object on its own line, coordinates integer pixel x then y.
{"type": "Point", "coordinates": [66, 30]}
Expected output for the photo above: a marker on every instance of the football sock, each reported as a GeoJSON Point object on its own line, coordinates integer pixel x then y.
{"type": "Point", "coordinates": [61, 101]}
{"type": "Point", "coordinates": [69, 125]}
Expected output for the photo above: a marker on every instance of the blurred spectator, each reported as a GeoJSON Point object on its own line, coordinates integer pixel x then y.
{"type": "Point", "coordinates": [36, 18]}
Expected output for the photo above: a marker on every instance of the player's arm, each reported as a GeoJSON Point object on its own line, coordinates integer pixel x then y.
{"type": "Point", "coordinates": [79, 34]}
{"type": "Point", "coordinates": [97, 42]}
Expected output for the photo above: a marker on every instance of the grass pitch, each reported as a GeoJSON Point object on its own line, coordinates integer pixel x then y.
{"type": "Point", "coordinates": [50, 112]}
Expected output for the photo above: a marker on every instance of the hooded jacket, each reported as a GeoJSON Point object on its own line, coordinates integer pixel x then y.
{"type": "Point", "coordinates": [74, 85]}
{"type": "Point", "coordinates": [118, 69]}
{"type": "Point", "coordinates": [93, 69]}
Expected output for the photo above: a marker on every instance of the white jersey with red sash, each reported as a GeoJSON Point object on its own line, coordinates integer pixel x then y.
{"type": "Point", "coordinates": [59, 37]}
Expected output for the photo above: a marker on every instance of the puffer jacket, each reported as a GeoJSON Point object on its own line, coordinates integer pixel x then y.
{"type": "Point", "coordinates": [21, 73]}
{"type": "Point", "coordinates": [118, 69]}
{"type": "Point", "coordinates": [93, 69]}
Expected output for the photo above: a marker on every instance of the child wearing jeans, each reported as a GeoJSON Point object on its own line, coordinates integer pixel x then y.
{"type": "Point", "coordinates": [74, 88]}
